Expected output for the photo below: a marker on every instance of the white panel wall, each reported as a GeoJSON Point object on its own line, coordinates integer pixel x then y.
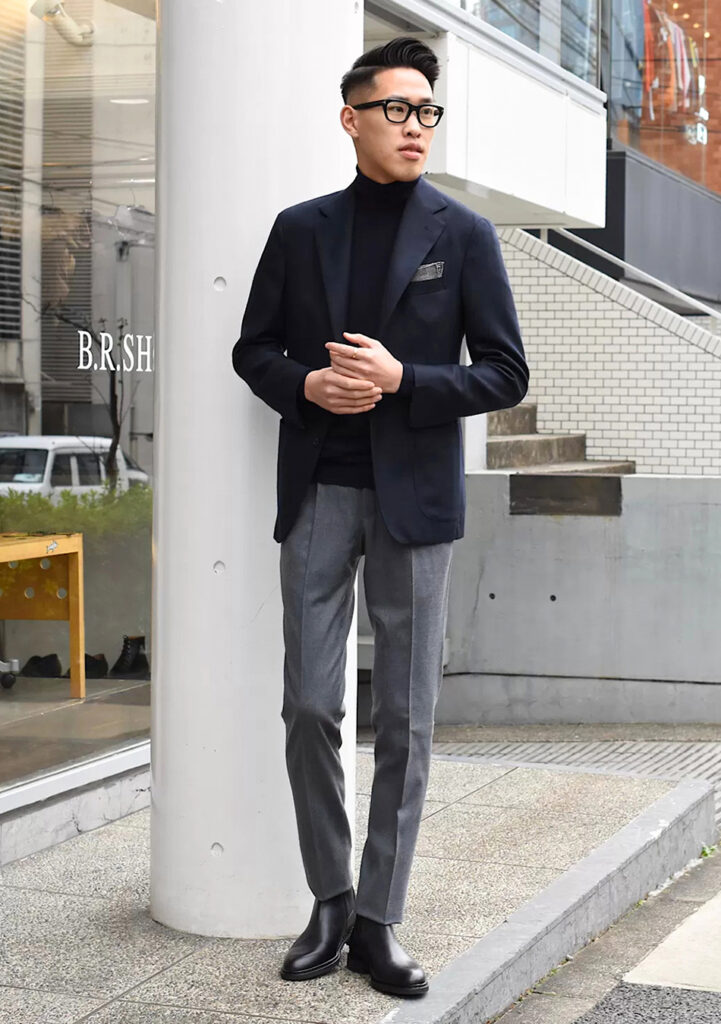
{"type": "Point", "coordinates": [524, 143]}
{"type": "Point", "coordinates": [585, 168]}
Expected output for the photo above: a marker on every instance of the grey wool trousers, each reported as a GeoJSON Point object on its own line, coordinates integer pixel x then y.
{"type": "Point", "coordinates": [406, 591]}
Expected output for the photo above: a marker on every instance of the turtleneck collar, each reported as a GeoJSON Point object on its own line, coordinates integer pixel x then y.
{"type": "Point", "coordinates": [374, 191]}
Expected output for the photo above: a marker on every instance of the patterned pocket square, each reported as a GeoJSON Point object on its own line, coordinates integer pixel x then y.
{"type": "Point", "coordinates": [427, 271]}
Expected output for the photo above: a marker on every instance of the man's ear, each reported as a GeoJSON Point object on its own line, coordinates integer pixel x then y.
{"type": "Point", "coordinates": [347, 119]}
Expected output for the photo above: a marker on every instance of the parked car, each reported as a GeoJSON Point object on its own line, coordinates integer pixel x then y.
{"type": "Point", "coordinates": [51, 463]}
{"type": "Point", "coordinates": [136, 475]}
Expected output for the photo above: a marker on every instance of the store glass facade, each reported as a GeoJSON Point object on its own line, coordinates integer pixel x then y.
{"type": "Point", "coordinates": [665, 83]}
{"type": "Point", "coordinates": [77, 181]}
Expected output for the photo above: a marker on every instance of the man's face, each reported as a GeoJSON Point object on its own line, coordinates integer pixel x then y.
{"type": "Point", "coordinates": [385, 151]}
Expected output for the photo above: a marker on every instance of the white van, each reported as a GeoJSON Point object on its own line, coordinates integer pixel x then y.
{"type": "Point", "coordinates": [50, 463]}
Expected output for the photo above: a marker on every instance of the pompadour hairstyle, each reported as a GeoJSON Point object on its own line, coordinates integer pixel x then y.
{"type": "Point", "coordinates": [401, 52]}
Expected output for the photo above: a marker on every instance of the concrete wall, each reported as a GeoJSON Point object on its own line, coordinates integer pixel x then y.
{"type": "Point", "coordinates": [583, 617]}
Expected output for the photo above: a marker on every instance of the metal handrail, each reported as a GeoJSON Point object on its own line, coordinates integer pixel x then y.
{"type": "Point", "coordinates": [708, 310]}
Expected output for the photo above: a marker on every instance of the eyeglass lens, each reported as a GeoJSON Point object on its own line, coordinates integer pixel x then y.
{"type": "Point", "coordinates": [398, 111]}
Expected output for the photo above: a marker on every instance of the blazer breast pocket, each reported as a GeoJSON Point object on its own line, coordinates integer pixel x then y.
{"type": "Point", "coordinates": [437, 284]}
{"type": "Point", "coordinates": [429, 277]}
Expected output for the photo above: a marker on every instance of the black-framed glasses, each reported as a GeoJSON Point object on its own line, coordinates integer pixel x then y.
{"type": "Point", "coordinates": [398, 111]}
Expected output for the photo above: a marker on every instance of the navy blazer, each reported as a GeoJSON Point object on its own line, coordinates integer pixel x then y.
{"type": "Point", "coordinates": [297, 302]}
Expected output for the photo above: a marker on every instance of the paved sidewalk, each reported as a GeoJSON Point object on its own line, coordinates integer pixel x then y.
{"type": "Point", "coordinates": [660, 963]}
{"type": "Point", "coordinates": [78, 942]}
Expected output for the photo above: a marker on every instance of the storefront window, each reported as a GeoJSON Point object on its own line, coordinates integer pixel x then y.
{"type": "Point", "coordinates": [77, 201]}
{"type": "Point", "coordinates": [664, 83]}
{"type": "Point", "coordinates": [518, 19]}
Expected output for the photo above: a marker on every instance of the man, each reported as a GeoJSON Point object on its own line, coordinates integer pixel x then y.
{"type": "Point", "coordinates": [370, 463]}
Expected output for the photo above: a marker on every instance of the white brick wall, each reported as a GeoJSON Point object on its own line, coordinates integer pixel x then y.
{"type": "Point", "coordinates": [642, 382]}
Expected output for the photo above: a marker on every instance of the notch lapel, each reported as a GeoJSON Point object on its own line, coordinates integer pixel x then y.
{"type": "Point", "coordinates": [418, 230]}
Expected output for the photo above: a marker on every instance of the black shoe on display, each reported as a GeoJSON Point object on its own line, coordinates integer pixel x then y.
{"type": "Point", "coordinates": [373, 949]}
{"type": "Point", "coordinates": [46, 666]}
{"type": "Point", "coordinates": [96, 667]}
{"type": "Point", "coordinates": [317, 950]}
{"type": "Point", "coordinates": [132, 662]}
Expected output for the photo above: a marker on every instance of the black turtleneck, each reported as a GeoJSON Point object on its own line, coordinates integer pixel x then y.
{"type": "Point", "coordinates": [345, 457]}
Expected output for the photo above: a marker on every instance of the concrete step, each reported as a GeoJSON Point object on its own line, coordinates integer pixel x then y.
{"type": "Point", "coordinates": [515, 450]}
{"type": "Point", "coordinates": [587, 466]}
{"type": "Point", "coordinates": [521, 419]}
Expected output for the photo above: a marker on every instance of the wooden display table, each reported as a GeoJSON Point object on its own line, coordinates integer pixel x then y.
{"type": "Point", "coordinates": [41, 577]}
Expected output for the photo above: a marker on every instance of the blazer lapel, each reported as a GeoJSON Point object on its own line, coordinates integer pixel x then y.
{"type": "Point", "coordinates": [418, 230]}
{"type": "Point", "coordinates": [333, 233]}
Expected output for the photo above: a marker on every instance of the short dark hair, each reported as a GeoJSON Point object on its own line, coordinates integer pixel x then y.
{"type": "Point", "coordinates": [401, 52]}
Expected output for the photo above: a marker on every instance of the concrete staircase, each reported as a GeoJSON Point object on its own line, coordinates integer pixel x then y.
{"type": "Point", "coordinates": [514, 443]}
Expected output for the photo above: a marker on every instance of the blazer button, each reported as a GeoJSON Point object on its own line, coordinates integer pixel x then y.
{"type": "Point", "coordinates": [316, 441]}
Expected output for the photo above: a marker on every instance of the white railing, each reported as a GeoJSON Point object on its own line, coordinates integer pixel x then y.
{"type": "Point", "coordinates": [649, 278]}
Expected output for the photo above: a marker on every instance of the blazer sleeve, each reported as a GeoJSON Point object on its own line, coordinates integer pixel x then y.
{"type": "Point", "coordinates": [406, 385]}
{"type": "Point", "coordinates": [259, 353]}
{"type": "Point", "coordinates": [498, 375]}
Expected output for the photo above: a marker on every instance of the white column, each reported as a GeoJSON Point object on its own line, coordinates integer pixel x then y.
{"type": "Point", "coordinates": [257, 132]}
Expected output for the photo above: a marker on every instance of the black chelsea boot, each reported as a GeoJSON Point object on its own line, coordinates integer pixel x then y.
{"type": "Point", "coordinates": [374, 949]}
{"type": "Point", "coordinates": [317, 950]}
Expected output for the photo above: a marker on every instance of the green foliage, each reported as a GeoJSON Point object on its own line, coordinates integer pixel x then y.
{"type": "Point", "coordinates": [101, 514]}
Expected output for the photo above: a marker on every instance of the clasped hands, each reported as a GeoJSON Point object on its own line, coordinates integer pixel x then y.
{"type": "Point", "coordinates": [356, 378]}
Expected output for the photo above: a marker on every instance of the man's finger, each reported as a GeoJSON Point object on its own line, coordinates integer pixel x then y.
{"type": "Point", "coordinates": [362, 338]}
{"type": "Point", "coordinates": [357, 367]}
{"type": "Point", "coordinates": [354, 383]}
{"type": "Point", "coordinates": [341, 350]}
{"type": "Point", "coordinates": [347, 374]}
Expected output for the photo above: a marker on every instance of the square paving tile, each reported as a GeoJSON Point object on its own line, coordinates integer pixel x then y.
{"type": "Point", "coordinates": [534, 1009]}
{"type": "Point", "coordinates": [26, 1006]}
{"type": "Point", "coordinates": [511, 835]}
{"type": "Point", "coordinates": [107, 862]}
{"type": "Point", "coordinates": [468, 897]}
{"type": "Point", "coordinates": [81, 944]}
{"type": "Point", "coordinates": [589, 793]}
